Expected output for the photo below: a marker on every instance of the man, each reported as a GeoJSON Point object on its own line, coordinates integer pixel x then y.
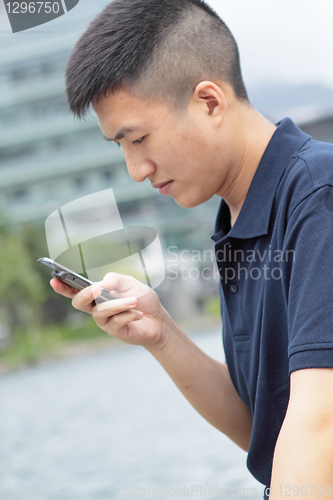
{"type": "Point", "coordinates": [164, 79]}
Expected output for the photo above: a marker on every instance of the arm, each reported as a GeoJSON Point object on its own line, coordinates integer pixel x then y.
{"type": "Point", "coordinates": [204, 382]}
{"type": "Point", "coordinates": [304, 450]}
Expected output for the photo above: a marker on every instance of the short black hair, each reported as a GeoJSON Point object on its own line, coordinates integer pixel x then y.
{"type": "Point", "coordinates": [158, 49]}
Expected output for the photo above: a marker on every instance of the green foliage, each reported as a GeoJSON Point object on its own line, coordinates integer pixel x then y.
{"type": "Point", "coordinates": [212, 306]}
{"type": "Point", "coordinates": [22, 289]}
{"type": "Point", "coordinates": [19, 280]}
{"type": "Point", "coordinates": [29, 305]}
{"type": "Point", "coordinates": [30, 345]}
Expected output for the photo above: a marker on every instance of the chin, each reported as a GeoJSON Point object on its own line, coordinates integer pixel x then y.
{"type": "Point", "coordinates": [190, 203]}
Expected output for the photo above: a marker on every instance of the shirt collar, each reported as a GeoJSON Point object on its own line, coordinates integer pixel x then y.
{"type": "Point", "coordinates": [253, 219]}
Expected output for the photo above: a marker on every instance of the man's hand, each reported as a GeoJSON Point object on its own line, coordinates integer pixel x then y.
{"type": "Point", "coordinates": [205, 382]}
{"type": "Point", "coordinates": [136, 316]}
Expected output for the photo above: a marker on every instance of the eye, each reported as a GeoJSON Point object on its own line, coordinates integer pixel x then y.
{"type": "Point", "coordinates": [139, 141]}
{"type": "Point", "coordinates": [111, 140]}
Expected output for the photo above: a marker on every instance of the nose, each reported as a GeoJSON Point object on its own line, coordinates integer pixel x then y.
{"type": "Point", "coordinates": [139, 167]}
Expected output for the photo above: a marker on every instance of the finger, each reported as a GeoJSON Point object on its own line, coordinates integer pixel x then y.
{"type": "Point", "coordinates": [63, 289]}
{"type": "Point", "coordinates": [115, 306]}
{"type": "Point", "coordinates": [85, 301]}
{"type": "Point", "coordinates": [117, 322]}
{"type": "Point", "coordinates": [118, 282]}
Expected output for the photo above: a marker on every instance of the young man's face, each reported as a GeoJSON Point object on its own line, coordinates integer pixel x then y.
{"type": "Point", "coordinates": [182, 150]}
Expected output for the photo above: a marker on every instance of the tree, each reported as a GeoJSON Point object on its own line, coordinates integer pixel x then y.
{"type": "Point", "coordinates": [22, 290]}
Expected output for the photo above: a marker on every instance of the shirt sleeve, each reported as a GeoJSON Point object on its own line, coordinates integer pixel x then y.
{"type": "Point", "coordinates": [309, 243]}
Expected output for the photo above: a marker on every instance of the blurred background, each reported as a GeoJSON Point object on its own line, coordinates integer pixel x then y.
{"type": "Point", "coordinates": [48, 159]}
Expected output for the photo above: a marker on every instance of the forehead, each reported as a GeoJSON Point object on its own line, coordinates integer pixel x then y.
{"type": "Point", "coordinates": [123, 109]}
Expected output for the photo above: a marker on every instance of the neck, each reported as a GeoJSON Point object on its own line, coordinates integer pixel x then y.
{"type": "Point", "coordinates": [253, 133]}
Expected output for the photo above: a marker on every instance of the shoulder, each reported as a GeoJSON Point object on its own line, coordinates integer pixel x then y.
{"type": "Point", "coordinates": [309, 170]}
{"type": "Point", "coordinates": [318, 158]}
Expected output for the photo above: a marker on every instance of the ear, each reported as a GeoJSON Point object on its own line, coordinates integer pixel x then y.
{"type": "Point", "coordinates": [212, 96]}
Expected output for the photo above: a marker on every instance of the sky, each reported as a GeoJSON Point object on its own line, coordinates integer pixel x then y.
{"type": "Point", "coordinates": [287, 41]}
{"type": "Point", "coordinates": [281, 41]}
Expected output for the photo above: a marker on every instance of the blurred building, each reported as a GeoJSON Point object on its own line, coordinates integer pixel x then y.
{"type": "Point", "coordinates": [47, 158]}
{"type": "Point", "coordinates": [310, 106]}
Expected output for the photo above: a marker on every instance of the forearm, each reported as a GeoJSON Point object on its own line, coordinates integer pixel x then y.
{"type": "Point", "coordinates": [303, 460]}
{"type": "Point", "coordinates": [205, 383]}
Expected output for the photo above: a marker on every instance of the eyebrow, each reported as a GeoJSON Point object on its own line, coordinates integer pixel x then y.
{"type": "Point", "coordinates": [122, 133]}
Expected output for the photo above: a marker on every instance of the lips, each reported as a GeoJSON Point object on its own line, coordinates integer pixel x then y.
{"type": "Point", "coordinates": [162, 184]}
{"type": "Point", "coordinates": [165, 187]}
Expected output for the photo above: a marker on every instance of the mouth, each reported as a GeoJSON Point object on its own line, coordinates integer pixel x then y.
{"type": "Point", "coordinates": [164, 188]}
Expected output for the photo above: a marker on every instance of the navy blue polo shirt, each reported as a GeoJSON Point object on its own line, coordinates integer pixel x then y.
{"type": "Point", "coordinates": [276, 277]}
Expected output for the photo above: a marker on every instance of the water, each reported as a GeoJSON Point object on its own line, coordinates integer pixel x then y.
{"type": "Point", "coordinates": [112, 426]}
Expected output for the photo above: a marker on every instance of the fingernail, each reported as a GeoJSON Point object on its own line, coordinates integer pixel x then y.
{"type": "Point", "coordinates": [130, 301]}
{"type": "Point", "coordinates": [139, 314]}
{"type": "Point", "coordinates": [95, 291]}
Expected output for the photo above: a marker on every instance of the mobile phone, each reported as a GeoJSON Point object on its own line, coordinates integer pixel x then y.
{"type": "Point", "coordinates": [72, 279]}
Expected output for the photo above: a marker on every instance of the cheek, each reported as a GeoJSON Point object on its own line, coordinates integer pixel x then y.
{"type": "Point", "coordinates": [195, 146]}
{"type": "Point", "coordinates": [186, 148]}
